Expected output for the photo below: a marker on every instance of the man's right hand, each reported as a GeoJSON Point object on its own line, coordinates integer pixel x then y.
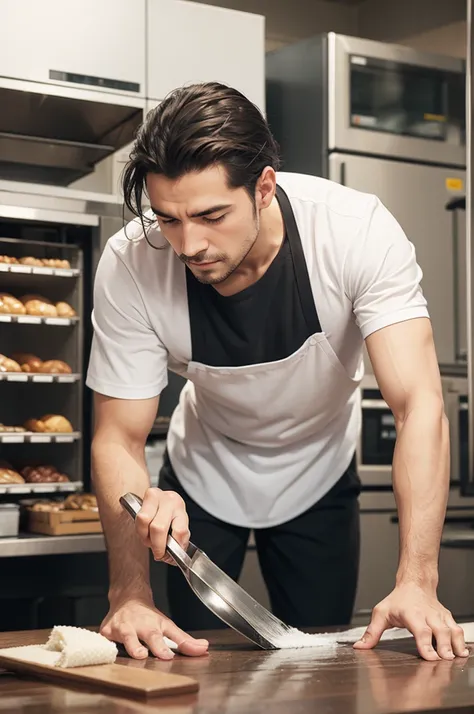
{"type": "Point", "coordinates": [162, 510]}
{"type": "Point", "coordinates": [133, 621]}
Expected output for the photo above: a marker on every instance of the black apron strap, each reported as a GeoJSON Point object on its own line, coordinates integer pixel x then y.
{"type": "Point", "coordinates": [299, 263]}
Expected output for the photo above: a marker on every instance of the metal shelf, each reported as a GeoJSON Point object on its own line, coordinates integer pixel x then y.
{"type": "Point", "coordinates": [27, 544]}
{"type": "Point", "coordinates": [11, 437]}
{"type": "Point", "coordinates": [36, 320]}
{"type": "Point", "coordinates": [39, 378]}
{"type": "Point", "coordinates": [14, 489]}
{"type": "Point", "coordinates": [37, 270]}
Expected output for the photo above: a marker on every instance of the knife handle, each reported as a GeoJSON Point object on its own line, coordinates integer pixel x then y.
{"type": "Point", "coordinates": [132, 504]}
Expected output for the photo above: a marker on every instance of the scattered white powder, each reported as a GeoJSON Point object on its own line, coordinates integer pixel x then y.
{"type": "Point", "coordinates": [67, 647]}
{"type": "Point", "coordinates": [295, 638]}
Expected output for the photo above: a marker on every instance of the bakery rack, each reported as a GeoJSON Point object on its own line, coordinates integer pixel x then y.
{"type": "Point", "coordinates": [26, 396]}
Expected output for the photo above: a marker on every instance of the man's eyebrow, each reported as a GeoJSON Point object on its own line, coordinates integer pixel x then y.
{"type": "Point", "coordinates": [199, 214]}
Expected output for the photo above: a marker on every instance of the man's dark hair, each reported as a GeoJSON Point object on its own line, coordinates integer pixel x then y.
{"type": "Point", "coordinates": [197, 127]}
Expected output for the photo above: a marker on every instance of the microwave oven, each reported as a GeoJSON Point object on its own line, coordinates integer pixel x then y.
{"type": "Point", "coordinates": [392, 100]}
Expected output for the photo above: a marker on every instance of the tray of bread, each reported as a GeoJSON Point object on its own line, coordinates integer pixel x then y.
{"type": "Point", "coordinates": [35, 309]}
{"type": "Point", "coordinates": [35, 478]}
{"type": "Point", "coordinates": [38, 266]}
{"type": "Point", "coordinates": [27, 367]}
{"type": "Point", "coordinates": [48, 428]}
{"type": "Point", "coordinates": [76, 514]}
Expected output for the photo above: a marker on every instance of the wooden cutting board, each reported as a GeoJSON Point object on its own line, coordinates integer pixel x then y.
{"type": "Point", "coordinates": [113, 678]}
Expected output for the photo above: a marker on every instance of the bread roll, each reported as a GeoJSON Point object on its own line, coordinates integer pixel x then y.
{"type": "Point", "coordinates": [49, 423]}
{"type": "Point", "coordinates": [10, 476]}
{"type": "Point", "coordinates": [39, 305]}
{"type": "Point", "coordinates": [65, 310]}
{"type": "Point", "coordinates": [28, 362]}
{"type": "Point", "coordinates": [11, 429]}
{"type": "Point", "coordinates": [43, 474]}
{"type": "Point", "coordinates": [9, 259]}
{"type": "Point", "coordinates": [29, 260]}
{"type": "Point", "coordinates": [55, 366]}
{"type": "Point", "coordinates": [10, 305]}
{"type": "Point", "coordinates": [56, 263]}
{"type": "Point", "coordinates": [47, 506]}
{"type": "Point", "coordinates": [81, 502]}
{"type": "Point", "coordinates": [8, 365]}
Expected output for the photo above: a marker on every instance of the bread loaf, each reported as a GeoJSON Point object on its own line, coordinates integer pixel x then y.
{"type": "Point", "coordinates": [81, 502]}
{"type": "Point", "coordinates": [10, 305]}
{"type": "Point", "coordinates": [8, 365]}
{"type": "Point", "coordinates": [65, 310]}
{"type": "Point", "coordinates": [27, 361]}
{"type": "Point", "coordinates": [9, 259]}
{"type": "Point", "coordinates": [43, 474]}
{"type": "Point", "coordinates": [55, 366]}
{"type": "Point", "coordinates": [39, 305]}
{"type": "Point", "coordinates": [47, 506]}
{"type": "Point", "coordinates": [29, 260]}
{"type": "Point", "coordinates": [11, 429]}
{"type": "Point", "coordinates": [10, 476]}
{"type": "Point", "coordinates": [49, 423]}
{"type": "Point", "coordinates": [56, 263]}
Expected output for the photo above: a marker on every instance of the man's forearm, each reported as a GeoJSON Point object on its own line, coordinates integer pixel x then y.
{"type": "Point", "coordinates": [421, 486]}
{"type": "Point", "coordinates": [118, 469]}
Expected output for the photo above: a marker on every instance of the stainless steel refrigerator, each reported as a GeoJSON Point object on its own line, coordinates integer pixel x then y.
{"type": "Point", "coordinates": [387, 120]}
{"type": "Point", "coordinates": [391, 121]}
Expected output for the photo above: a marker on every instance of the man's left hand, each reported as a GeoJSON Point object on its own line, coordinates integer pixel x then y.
{"type": "Point", "coordinates": [419, 611]}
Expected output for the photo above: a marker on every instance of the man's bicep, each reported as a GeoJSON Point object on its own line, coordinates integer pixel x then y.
{"type": "Point", "coordinates": [127, 420]}
{"type": "Point", "coordinates": [405, 365]}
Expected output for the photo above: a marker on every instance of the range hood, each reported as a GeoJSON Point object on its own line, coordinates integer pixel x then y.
{"type": "Point", "coordinates": [53, 134]}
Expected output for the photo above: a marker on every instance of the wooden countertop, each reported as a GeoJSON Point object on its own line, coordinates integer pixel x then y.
{"type": "Point", "coordinates": [237, 679]}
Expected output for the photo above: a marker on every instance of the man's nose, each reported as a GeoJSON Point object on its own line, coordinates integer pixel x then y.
{"type": "Point", "coordinates": [193, 240]}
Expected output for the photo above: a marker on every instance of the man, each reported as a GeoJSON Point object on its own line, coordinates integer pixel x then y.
{"type": "Point", "coordinates": [260, 288]}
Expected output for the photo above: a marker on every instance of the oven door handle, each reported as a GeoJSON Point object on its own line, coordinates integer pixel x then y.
{"type": "Point", "coordinates": [458, 203]}
{"type": "Point", "coordinates": [375, 404]}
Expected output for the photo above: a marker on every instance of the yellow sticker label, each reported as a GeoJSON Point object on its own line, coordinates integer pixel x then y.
{"type": "Point", "coordinates": [454, 184]}
{"type": "Point", "coordinates": [434, 117]}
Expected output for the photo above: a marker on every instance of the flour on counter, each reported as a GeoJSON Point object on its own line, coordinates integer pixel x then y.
{"type": "Point", "coordinates": [295, 638]}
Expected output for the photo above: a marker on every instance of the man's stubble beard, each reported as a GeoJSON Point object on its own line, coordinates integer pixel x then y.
{"type": "Point", "coordinates": [249, 243]}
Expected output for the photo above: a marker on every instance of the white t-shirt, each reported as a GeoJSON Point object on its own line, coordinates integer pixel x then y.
{"type": "Point", "coordinates": [364, 276]}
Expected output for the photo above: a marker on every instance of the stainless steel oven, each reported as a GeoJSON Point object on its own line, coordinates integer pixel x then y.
{"type": "Point", "coordinates": [456, 404]}
{"type": "Point", "coordinates": [377, 437]}
{"type": "Point", "coordinates": [393, 101]}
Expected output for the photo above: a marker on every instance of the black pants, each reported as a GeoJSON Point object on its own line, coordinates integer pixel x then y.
{"type": "Point", "coordinates": [310, 564]}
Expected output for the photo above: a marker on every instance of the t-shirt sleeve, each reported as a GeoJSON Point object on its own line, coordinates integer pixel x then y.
{"type": "Point", "coordinates": [381, 274]}
{"type": "Point", "coordinates": [127, 360]}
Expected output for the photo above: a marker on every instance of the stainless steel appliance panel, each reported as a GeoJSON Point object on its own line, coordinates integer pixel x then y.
{"type": "Point", "coordinates": [468, 485]}
{"type": "Point", "coordinates": [417, 196]}
{"type": "Point", "coordinates": [390, 100]}
{"type": "Point", "coordinates": [379, 558]}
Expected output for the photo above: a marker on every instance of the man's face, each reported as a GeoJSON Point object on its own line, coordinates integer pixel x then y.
{"type": "Point", "coordinates": [210, 226]}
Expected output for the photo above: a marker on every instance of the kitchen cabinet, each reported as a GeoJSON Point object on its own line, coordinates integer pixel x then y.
{"type": "Point", "coordinates": [100, 42]}
{"type": "Point", "coordinates": [191, 42]}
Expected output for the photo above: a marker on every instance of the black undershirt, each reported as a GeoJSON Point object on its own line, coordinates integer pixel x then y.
{"type": "Point", "coordinates": [262, 323]}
